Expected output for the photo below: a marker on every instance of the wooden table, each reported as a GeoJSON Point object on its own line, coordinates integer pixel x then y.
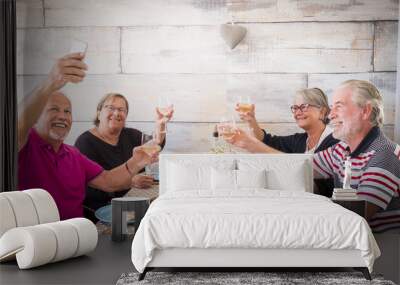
{"type": "Point", "coordinates": [151, 193]}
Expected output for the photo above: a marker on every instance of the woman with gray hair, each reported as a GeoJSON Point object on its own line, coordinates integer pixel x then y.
{"type": "Point", "coordinates": [310, 111]}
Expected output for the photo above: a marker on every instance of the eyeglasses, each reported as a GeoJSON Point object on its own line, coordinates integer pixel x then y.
{"type": "Point", "coordinates": [302, 107]}
{"type": "Point", "coordinates": [112, 109]}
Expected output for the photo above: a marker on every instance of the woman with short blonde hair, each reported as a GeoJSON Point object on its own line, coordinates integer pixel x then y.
{"type": "Point", "coordinates": [107, 97]}
{"type": "Point", "coordinates": [110, 143]}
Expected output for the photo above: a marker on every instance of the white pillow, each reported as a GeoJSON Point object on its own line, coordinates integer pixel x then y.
{"type": "Point", "coordinates": [223, 179]}
{"type": "Point", "coordinates": [282, 173]}
{"type": "Point", "coordinates": [251, 178]}
{"type": "Point", "coordinates": [181, 177]}
{"type": "Point", "coordinates": [185, 175]}
{"type": "Point", "coordinates": [289, 178]}
{"type": "Point", "coordinates": [230, 180]}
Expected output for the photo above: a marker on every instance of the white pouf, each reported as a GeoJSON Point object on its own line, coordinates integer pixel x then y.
{"type": "Point", "coordinates": [31, 233]}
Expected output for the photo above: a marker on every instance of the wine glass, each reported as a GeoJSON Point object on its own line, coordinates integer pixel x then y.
{"type": "Point", "coordinates": [165, 107]}
{"type": "Point", "coordinates": [243, 103]}
{"type": "Point", "coordinates": [152, 170]}
{"type": "Point", "coordinates": [227, 129]}
{"type": "Point", "coordinates": [78, 46]}
{"type": "Point", "coordinates": [150, 144]}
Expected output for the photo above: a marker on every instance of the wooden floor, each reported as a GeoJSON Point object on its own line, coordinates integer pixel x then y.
{"type": "Point", "coordinates": [102, 266]}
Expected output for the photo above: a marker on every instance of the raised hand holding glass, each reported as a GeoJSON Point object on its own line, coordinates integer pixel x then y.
{"type": "Point", "coordinates": [243, 104]}
{"type": "Point", "coordinates": [165, 108]}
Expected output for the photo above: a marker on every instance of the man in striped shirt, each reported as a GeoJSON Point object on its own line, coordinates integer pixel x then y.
{"type": "Point", "coordinates": [356, 116]}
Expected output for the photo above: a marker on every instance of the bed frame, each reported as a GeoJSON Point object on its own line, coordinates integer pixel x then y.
{"type": "Point", "coordinates": [241, 259]}
{"type": "Point", "coordinates": [256, 258]}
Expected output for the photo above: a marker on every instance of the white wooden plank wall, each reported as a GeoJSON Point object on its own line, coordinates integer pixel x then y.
{"type": "Point", "coordinates": [144, 49]}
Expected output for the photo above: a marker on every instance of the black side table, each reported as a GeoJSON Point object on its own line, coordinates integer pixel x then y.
{"type": "Point", "coordinates": [120, 206]}
{"type": "Point", "coordinates": [357, 206]}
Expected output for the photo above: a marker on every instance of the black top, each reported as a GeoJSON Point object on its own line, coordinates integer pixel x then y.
{"type": "Point", "coordinates": [296, 143]}
{"type": "Point", "coordinates": [108, 156]}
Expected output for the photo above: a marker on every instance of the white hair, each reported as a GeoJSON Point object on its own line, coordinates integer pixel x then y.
{"type": "Point", "coordinates": [365, 92]}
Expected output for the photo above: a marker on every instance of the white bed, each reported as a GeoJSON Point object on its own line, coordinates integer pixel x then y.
{"type": "Point", "coordinates": [221, 211]}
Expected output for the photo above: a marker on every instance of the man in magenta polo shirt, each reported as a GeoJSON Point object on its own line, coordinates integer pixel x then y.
{"type": "Point", "coordinates": [44, 160]}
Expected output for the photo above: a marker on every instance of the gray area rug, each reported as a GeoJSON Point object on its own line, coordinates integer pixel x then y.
{"type": "Point", "coordinates": [270, 278]}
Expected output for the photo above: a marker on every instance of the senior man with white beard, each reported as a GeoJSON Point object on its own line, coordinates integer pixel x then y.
{"type": "Point", "coordinates": [44, 161]}
{"type": "Point", "coordinates": [356, 116]}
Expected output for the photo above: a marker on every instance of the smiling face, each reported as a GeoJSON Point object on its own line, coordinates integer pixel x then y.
{"type": "Point", "coordinates": [309, 117]}
{"type": "Point", "coordinates": [112, 115]}
{"type": "Point", "coordinates": [346, 117]}
{"type": "Point", "coordinates": [55, 121]}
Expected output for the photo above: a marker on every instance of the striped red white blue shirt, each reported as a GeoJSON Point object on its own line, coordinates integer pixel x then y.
{"type": "Point", "coordinates": [375, 174]}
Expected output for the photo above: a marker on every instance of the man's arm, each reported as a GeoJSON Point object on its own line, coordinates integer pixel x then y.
{"type": "Point", "coordinates": [120, 177]}
{"type": "Point", "coordinates": [317, 174]}
{"type": "Point", "coordinates": [322, 164]}
{"type": "Point", "coordinates": [29, 111]}
{"type": "Point", "coordinates": [70, 68]}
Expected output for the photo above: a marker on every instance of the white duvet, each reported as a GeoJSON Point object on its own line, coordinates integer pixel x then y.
{"type": "Point", "coordinates": [250, 219]}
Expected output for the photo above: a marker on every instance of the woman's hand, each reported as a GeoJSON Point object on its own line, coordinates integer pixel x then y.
{"type": "Point", "coordinates": [164, 118]}
{"type": "Point", "coordinates": [242, 139]}
{"type": "Point", "coordinates": [250, 143]}
{"type": "Point", "coordinates": [142, 181]}
{"type": "Point", "coordinates": [161, 124]}
{"type": "Point", "coordinates": [248, 117]}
